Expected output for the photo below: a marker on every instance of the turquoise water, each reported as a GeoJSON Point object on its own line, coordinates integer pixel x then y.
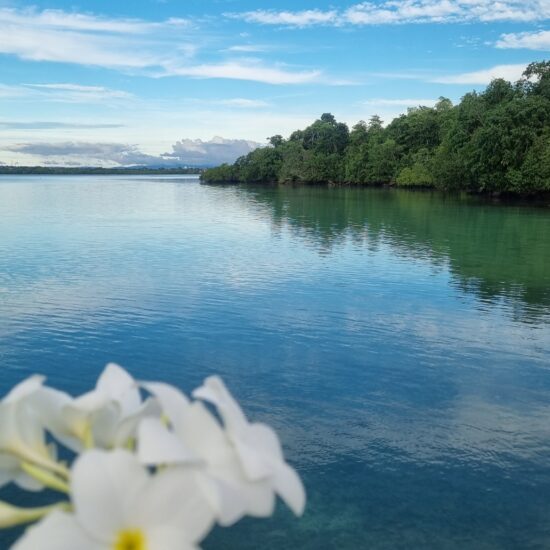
{"type": "Point", "coordinates": [398, 341]}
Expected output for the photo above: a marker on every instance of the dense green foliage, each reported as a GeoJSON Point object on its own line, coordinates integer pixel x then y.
{"type": "Point", "coordinates": [495, 141]}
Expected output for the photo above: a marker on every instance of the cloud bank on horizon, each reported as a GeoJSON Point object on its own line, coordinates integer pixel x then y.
{"type": "Point", "coordinates": [121, 85]}
{"type": "Point", "coordinates": [186, 152]}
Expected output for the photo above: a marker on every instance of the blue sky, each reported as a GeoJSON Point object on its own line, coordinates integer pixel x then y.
{"type": "Point", "coordinates": [112, 83]}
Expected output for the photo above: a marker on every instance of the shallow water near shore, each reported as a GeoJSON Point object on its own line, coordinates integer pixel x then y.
{"type": "Point", "coordinates": [398, 341]}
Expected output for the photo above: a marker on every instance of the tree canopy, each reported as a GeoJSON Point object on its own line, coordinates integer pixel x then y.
{"type": "Point", "coordinates": [495, 141]}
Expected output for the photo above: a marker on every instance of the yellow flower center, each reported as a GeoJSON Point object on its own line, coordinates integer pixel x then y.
{"type": "Point", "coordinates": [131, 539]}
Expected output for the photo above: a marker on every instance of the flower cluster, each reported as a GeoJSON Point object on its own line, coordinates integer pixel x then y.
{"type": "Point", "coordinates": [154, 470]}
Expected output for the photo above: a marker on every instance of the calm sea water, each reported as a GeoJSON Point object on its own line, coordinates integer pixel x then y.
{"type": "Point", "coordinates": [399, 342]}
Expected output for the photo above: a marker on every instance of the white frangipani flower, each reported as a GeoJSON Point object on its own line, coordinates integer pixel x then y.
{"type": "Point", "coordinates": [197, 437]}
{"type": "Point", "coordinates": [119, 505]}
{"type": "Point", "coordinates": [22, 438]}
{"type": "Point", "coordinates": [105, 417]}
{"type": "Point", "coordinates": [151, 474]}
{"type": "Point", "coordinates": [256, 444]}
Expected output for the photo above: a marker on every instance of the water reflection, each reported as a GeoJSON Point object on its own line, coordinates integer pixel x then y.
{"type": "Point", "coordinates": [398, 341]}
{"type": "Point", "coordinates": [492, 250]}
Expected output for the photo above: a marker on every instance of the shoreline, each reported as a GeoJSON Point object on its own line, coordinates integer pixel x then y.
{"type": "Point", "coordinates": [539, 199]}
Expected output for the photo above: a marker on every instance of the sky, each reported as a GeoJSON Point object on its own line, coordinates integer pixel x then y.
{"type": "Point", "coordinates": [172, 82]}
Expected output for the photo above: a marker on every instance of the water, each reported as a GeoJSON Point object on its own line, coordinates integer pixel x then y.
{"type": "Point", "coordinates": [398, 341]}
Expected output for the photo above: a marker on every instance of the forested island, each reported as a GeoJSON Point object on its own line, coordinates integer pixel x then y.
{"type": "Point", "coordinates": [94, 171]}
{"type": "Point", "coordinates": [497, 141]}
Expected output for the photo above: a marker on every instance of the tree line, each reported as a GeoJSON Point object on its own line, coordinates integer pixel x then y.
{"type": "Point", "coordinates": [494, 141]}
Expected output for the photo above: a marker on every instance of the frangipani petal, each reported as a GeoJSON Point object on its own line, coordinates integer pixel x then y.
{"type": "Point", "coordinates": [168, 538]}
{"type": "Point", "coordinates": [225, 499]}
{"type": "Point", "coordinates": [259, 453]}
{"type": "Point", "coordinates": [214, 391]}
{"type": "Point", "coordinates": [158, 445]}
{"type": "Point", "coordinates": [102, 486]}
{"type": "Point", "coordinates": [172, 401]}
{"type": "Point", "coordinates": [200, 431]}
{"type": "Point", "coordinates": [30, 429]}
{"type": "Point", "coordinates": [290, 488]}
{"type": "Point", "coordinates": [49, 404]}
{"type": "Point", "coordinates": [58, 531]}
{"type": "Point", "coordinates": [103, 425]}
{"type": "Point", "coordinates": [173, 498]}
{"type": "Point", "coordinates": [258, 497]}
{"type": "Point", "coordinates": [87, 403]}
{"type": "Point", "coordinates": [259, 448]}
{"type": "Point", "coordinates": [24, 389]}
{"type": "Point", "coordinates": [119, 386]}
{"type": "Point", "coordinates": [126, 428]}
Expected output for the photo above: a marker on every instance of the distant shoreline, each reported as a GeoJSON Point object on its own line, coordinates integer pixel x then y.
{"type": "Point", "coordinates": [91, 171]}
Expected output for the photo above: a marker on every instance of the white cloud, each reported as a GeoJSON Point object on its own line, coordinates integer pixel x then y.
{"type": "Point", "coordinates": [405, 11]}
{"type": "Point", "coordinates": [153, 49]}
{"type": "Point", "coordinates": [12, 92]}
{"type": "Point", "coordinates": [76, 93]}
{"type": "Point", "coordinates": [215, 151]}
{"type": "Point", "coordinates": [64, 93]}
{"type": "Point", "coordinates": [58, 19]}
{"type": "Point", "coordinates": [62, 46]}
{"type": "Point", "coordinates": [508, 72]}
{"type": "Point", "coordinates": [250, 71]}
{"type": "Point", "coordinates": [247, 48]}
{"type": "Point", "coordinates": [525, 40]}
{"type": "Point", "coordinates": [184, 152]}
{"type": "Point", "coordinates": [303, 18]}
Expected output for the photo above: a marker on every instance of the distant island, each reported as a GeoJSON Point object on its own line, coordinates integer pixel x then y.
{"type": "Point", "coordinates": [95, 171]}
{"type": "Point", "coordinates": [497, 141]}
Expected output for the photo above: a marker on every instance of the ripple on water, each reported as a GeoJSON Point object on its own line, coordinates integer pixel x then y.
{"type": "Point", "coordinates": [400, 352]}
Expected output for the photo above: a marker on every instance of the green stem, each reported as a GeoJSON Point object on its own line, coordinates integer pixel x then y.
{"type": "Point", "coordinates": [10, 516]}
{"type": "Point", "coordinates": [29, 455]}
{"type": "Point", "coordinates": [48, 479]}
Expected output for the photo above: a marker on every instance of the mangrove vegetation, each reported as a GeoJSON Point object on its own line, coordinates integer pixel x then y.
{"type": "Point", "coordinates": [496, 141]}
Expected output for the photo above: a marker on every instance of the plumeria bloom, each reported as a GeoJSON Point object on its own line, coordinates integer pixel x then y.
{"type": "Point", "coordinates": [22, 438]}
{"type": "Point", "coordinates": [195, 437]}
{"type": "Point", "coordinates": [105, 417]}
{"type": "Point", "coordinates": [120, 505]}
{"type": "Point", "coordinates": [257, 445]}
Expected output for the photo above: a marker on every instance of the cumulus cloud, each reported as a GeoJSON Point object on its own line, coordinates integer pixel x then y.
{"type": "Point", "coordinates": [152, 49]}
{"type": "Point", "coordinates": [405, 11]}
{"type": "Point", "coordinates": [525, 40]}
{"type": "Point", "coordinates": [186, 152]}
{"type": "Point", "coordinates": [508, 72]}
{"type": "Point", "coordinates": [216, 151]}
